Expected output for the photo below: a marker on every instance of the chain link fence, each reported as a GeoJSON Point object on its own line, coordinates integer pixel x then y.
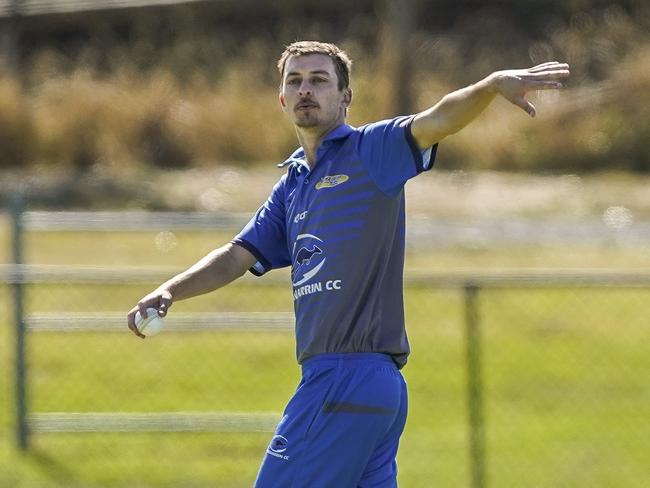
{"type": "Point", "coordinates": [534, 379]}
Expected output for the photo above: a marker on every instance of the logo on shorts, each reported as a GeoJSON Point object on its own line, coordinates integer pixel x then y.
{"type": "Point", "coordinates": [278, 444]}
{"type": "Point", "coordinates": [277, 447]}
{"type": "Point", "coordinates": [331, 181]}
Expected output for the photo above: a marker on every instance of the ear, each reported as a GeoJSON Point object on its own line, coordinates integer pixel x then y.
{"type": "Point", "coordinates": [347, 97]}
{"type": "Point", "coordinates": [283, 102]}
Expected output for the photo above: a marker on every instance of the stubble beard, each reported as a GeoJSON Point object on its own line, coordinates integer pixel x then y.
{"type": "Point", "coordinates": [306, 124]}
{"type": "Point", "coordinates": [306, 121]}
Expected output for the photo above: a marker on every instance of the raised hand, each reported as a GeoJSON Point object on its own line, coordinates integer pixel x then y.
{"type": "Point", "coordinates": [514, 84]}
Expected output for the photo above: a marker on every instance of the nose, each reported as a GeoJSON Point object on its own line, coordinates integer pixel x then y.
{"type": "Point", "coordinates": [305, 89]}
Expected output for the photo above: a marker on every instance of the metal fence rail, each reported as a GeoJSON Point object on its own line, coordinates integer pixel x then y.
{"type": "Point", "coordinates": [496, 277]}
{"type": "Point", "coordinates": [55, 273]}
{"type": "Point", "coordinates": [9, 8]}
{"type": "Point", "coordinates": [421, 231]}
{"type": "Point", "coordinates": [132, 221]}
{"type": "Point", "coordinates": [153, 422]}
{"type": "Point", "coordinates": [178, 322]}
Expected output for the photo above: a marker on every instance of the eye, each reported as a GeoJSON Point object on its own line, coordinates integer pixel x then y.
{"type": "Point", "coordinates": [292, 81]}
{"type": "Point", "coordinates": [319, 80]}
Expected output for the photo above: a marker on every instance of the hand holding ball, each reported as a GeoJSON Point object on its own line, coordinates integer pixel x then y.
{"type": "Point", "coordinates": [151, 325]}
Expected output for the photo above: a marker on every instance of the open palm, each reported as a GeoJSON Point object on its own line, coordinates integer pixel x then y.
{"type": "Point", "coordinates": [514, 84]}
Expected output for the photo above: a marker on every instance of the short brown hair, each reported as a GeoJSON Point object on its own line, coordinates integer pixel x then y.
{"type": "Point", "coordinates": [342, 63]}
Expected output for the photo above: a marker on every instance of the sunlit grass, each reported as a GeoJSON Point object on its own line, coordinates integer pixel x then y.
{"type": "Point", "coordinates": [564, 372]}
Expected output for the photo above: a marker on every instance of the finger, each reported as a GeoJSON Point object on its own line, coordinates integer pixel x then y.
{"type": "Point", "coordinates": [525, 105]}
{"type": "Point", "coordinates": [547, 75]}
{"type": "Point", "coordinates": [165, 303]}
{"type": "Point", "coordinates": [142, 307]}
{"type": "Point", "coordinates": [131, 322]}
{"type": "Point", "coordinates": [549, 65]}
{"type": "Point", "coordinates": [542, 66]}
{"type": "Point", "coordinates": [130, 317]}
{"type": "Point", "coordinates": [530, 109]}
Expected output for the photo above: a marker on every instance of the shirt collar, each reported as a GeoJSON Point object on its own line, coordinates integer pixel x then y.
{"type": "Point", "coordinates": [339, 132]}
{"type": "Point", "coordinates": [298, 157]}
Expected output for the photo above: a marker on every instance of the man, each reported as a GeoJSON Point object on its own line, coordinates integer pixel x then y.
{"type": "Point", "coordinates": [337, 218]}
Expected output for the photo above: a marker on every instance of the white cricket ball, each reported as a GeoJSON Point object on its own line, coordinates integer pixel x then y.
{"type": "Point", "coordinates": [151, 325]}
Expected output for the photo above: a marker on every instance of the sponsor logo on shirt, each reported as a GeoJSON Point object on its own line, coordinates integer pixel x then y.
{"type": "Point", "coordinates": [309, 259]}
{"type": "Point", "coordinates": [304, 255]}
{"type": "Point", "coordinates": [300, 216]}
{"type": "Point", "coordinates": [331, 181]}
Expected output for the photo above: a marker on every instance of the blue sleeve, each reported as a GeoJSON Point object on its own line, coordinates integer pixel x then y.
{"type": "Point", "coordinates": [265, 234]}
{"type": "Point", "coordinates": [391, 155]}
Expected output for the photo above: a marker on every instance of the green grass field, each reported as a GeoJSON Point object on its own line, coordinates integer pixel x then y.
{"type": "Point", "coordinates": [565, 374]}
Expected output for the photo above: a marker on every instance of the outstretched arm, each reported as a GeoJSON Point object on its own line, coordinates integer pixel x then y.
{"type": "Point", "coordinates": [215, 270]}
{"type": "Point", "coordinates": [459, 108]}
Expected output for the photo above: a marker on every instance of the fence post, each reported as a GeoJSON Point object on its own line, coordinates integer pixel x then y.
{"type": "Point", "coordinates": [22, 432]}
{"type": "Point", "coordinates": [474, 386]}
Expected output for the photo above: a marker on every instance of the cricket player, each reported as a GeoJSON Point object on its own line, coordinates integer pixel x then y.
{"type": "Point", "coordinates": [337, 218]}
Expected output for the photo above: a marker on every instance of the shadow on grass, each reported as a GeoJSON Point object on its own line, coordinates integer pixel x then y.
{"type": "Point", "coordinates": [50, 467]}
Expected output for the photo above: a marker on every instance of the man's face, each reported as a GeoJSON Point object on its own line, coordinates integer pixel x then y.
{"type": "Point", "coordinates": [310, 94]}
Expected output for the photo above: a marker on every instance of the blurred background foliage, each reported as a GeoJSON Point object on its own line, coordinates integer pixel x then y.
{"type": "Point", "coordinates": [195, 85]}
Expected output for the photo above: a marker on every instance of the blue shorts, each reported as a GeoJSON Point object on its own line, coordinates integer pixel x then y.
{"type": "Point", "coordinates": [341, 428]}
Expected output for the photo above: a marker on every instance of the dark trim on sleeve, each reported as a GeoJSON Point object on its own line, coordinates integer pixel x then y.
{"type": "Point", "coordinates": [255, 252]}
{"type": "Point", "coordinates": [432, 158]}
{"type": "Point", "coordinates": [415, 149]}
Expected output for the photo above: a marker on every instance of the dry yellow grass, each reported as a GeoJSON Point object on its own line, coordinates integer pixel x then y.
{"type": "Point", "coordinates": [83, 117]}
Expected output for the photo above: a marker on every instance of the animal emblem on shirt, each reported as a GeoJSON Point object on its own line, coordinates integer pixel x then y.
{"type": "Point", "coordinates": [304, 256]}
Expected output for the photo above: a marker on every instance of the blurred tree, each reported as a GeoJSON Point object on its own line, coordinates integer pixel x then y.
{"type": "Point", "coordinates": [399, 31]}
{"type": "Point", "coordinates": [10, 37]}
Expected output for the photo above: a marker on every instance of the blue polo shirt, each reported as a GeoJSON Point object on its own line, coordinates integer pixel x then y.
{"type": "Point", "coordinates": [341, 228]}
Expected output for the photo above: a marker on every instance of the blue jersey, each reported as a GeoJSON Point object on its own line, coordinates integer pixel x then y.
{"type": "Point", "coordinates": [341, 228]}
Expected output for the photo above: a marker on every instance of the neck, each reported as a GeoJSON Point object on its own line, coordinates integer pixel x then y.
{"type": "Point", "coordinates": [310, 139]}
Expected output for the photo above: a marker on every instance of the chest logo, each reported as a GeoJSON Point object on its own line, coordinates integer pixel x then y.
{"type": "Point", "coordinates": [309, 258]}
{"type": "Point", "coordinates": [331, 181]}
